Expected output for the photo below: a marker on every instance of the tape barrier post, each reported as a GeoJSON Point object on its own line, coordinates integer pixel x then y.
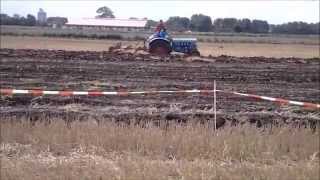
{"type": "Point", "coordinates": [215, 104]}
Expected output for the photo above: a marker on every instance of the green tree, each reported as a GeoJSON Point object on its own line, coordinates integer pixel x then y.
{"type": "Point", "coordinates": [16, 16]}
{"type": "Point", "coordinates": [259, 26]}
{"type": "Point", "coordinates": [104, 12]}
{"type": "Point", "coordinates": [5, 19]}
{"type": "Point", "coordinates": [201, 23]}
{"type": "Point", "coordinates": [243, 25]}
{"type": "Point", "coordinates": [237, 29]}
{"type": "Point", "coordinates": [229, 24]}
{"type": "Point", "coordinates": [315, 28]}
{"type": "Point", "coordinates": [296, 28]}
{"type": "Point", "coordinates": [218, 25]}
{"type": "Point", "coordinates": [151, 23]}
{"type": "Point", "coordinates": [16, 19]}
{"type": "Point", "coordinates": [31, 20]}
{"type": "Point", "coordinates": [226, 25]}
{"type": "Point", "coordinates": [178, 23]}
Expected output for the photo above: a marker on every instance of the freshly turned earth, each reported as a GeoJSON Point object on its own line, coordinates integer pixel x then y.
{"type": "Point", "coordinates": [288, 78]}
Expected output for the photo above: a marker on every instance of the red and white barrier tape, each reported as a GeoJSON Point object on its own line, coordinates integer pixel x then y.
{"type": "Point", "coordinates": [95, 93]}
{"type": "Point", "coordinates": [278, 100]}
{"type": "Point", "coordinates": [125, 93]}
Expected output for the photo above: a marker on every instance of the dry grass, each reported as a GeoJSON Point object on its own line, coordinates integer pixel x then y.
{"type": "Point", "coordinates": [215, 49]}
{"type": "Point", "coordinates": [109, 151]}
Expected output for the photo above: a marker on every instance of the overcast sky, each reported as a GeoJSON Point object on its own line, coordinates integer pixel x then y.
{"type": "Point", "coordinates": [275, 12]}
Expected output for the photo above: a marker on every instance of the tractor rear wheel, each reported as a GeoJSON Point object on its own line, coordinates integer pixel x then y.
{"type": "Point", "coordinates": [160, 47]}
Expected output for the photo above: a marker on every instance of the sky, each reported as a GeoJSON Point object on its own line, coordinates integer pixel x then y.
{"type": "Point", "coordinates": [274, 11]}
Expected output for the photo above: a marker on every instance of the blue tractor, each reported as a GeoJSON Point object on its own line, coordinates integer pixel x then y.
{"type": "Point", "coordinates": [162, 44]}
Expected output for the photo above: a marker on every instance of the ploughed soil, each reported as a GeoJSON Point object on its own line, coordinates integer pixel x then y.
{"type": "Point", "coordinates": [288, 78]}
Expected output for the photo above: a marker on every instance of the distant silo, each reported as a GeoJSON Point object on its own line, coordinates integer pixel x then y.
{"type": "Point", "coordinates": [42, 16]}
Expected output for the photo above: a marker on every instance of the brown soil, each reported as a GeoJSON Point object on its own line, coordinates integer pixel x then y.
{"type": "Point", "coordinates": [288, 78]}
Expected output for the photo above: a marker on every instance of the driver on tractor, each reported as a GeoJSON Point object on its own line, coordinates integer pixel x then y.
{"type": "Point", "coordinates": [160, 26]}
{"type": "Point", "coordinates": [160, 30]}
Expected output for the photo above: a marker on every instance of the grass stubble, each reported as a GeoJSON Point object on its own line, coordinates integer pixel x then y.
{"type": "Point", "coordinates": [109, 151]}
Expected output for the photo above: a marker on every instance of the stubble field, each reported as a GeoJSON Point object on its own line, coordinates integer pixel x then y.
{"type": "Point", "coordinates": [166, 136]}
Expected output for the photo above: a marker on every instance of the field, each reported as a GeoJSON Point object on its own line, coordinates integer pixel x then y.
{"type": "Point", "coordinates": [206, 48]}
{"type": "Point", "coordinates": [125, 35]}
{"type": "Point", "coordinates": [108, 151]}
{"type": "Point", "coordinates": [158, 136]}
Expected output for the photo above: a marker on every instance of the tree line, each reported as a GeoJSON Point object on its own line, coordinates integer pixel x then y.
{"type": "Point", "coordinates": [16, 19]}
{"type": "Point", "coordinates": [30, 20]}
{"type": "Point", "coordinates": [197, 22]}
{"type": "Point", "coordinates": [203, 23]}
{"type": "Point", "coordinates": [296, 28]}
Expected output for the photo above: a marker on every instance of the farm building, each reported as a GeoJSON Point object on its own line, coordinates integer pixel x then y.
{"type": "Point", "coordinates": [107, 24]}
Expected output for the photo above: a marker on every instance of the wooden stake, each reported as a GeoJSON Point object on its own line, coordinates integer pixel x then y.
{"type": "Point", "coordinates": [215, 105]}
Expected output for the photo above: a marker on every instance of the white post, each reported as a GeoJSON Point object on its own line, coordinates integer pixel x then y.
{"type": "Point", "coordinates": [215, 105]}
